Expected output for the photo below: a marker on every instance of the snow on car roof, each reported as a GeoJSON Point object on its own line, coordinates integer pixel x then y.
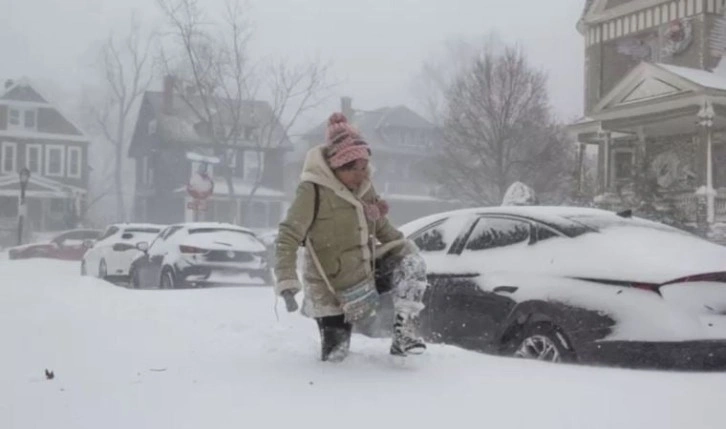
{"type": "Point", "coordinates": [128, 225]}
{"type": "Point", "coordinates": [202, 225]}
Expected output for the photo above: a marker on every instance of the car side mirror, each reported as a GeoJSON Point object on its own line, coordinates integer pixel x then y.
{"type": "Point", "coordinates": [143, 246]}
{"type": "Point", "coordinates": [127, 236]}
{"type": "Point", "coordinates": [87, 244]}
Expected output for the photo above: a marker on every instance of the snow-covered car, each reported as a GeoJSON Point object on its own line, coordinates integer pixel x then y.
{"type": "Point", "coordinates": [69, 245]}
{"type": "Point", "coordinates": [571, 284]}
{"type": "Point", "coordinates": [199, 255]}
{"type": "Point", "coordinates": [111, 256]}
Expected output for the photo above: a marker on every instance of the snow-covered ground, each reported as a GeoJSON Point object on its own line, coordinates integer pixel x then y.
{"type": "Point", "coordinates": [219, 358]}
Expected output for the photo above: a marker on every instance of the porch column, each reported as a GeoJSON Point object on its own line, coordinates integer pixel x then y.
{"type": "Point", "coordinates": [581, 147]}
{"type": "Point", "coordinates": [639, 154]}
{"type": "Point", "coordinates": [603, 159]}
{"type": "Point", "coordinates": [705, 121]}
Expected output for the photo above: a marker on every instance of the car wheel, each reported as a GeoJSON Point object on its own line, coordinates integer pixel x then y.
{"type": "Point", "coordinates": [84, 270]}
{"type": "Point", "coordinates": [543, 341]}
{"type": "Point", "coordinates": [167, 279]}
{"type": "Point", "coordinates": [102, 270]}
{"type": "Point", "coordinates": [134, 280]}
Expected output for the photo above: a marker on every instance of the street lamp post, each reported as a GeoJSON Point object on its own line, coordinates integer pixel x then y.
{"type": "Point", "coordinates": [22, 208]}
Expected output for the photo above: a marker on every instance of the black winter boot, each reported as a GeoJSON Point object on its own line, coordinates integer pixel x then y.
{"type": "Point", "coordinates": [334, 338]}
{"type": "Point", "coordinates": [405, 340]}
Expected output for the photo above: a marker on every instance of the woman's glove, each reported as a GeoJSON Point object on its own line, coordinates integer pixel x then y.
{"type": "Point", "coordinates": [290, 303]}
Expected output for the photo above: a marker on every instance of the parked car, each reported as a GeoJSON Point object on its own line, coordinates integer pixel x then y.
{"type": "Point", "coordinates": [199, 255]}
{"type": "Point", "coordinates": [111, 256]}
{"type": "Point", "coordinates": [571, 285]}
{"type": "Point", "coordinates": [68, 245]}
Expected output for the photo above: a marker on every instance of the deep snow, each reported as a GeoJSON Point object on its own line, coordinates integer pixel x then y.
{"type": "Point", "coordinates": [218, 358]}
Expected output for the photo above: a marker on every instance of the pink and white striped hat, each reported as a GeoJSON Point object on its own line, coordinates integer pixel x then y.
{"type": "Point", "coordinates": [344, 143]}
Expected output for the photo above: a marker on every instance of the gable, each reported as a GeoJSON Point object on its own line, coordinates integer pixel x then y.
{"type": "Point", "coordinates": [650, 88]}
{"type": "Point", "coordinates": [22, 92]}
{"type": "Point", "coordinates": [646, 82]}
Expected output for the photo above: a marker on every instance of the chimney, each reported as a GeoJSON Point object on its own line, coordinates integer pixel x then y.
{"type": "Point", "coordinates": [346, 107]}
{"type": "Point", "coordinates": [168, 99]}
{"type": "Point", "coordinates": [9, 83]}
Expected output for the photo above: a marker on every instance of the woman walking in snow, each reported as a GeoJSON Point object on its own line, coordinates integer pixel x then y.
{"type": "Point", "coordinates": [342, 223]}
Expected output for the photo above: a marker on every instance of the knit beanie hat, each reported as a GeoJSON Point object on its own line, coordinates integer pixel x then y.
{"type": "Point", "coordinates": [344, 143]}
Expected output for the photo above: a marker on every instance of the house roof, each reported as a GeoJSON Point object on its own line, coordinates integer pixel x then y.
{"type": "Point", "coordinates": [181, 124]}
{"type": "Point", "coordinates": [603, 10]}
{"type": "Point", "coordinates": [655, 94]}
{"type": "Point", "coordinates": [373, 126]}
{"type": "Point", "coordinates": [26, 91]}
{"type": "Point", "coordinates": [704, 78]}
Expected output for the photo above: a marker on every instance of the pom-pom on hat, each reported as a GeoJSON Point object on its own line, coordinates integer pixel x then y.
{"type": "Point", "coordinates": [344, 143]}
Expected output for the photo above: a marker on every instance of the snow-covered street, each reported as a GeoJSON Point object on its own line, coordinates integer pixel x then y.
{"type": "Point", "coordinates": [219, 358]}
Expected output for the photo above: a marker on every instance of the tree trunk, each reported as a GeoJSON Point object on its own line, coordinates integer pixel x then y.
{"type": "Point", "coordinates": [232, 201]}
{"type": "Point", "coordinates": [118, 167]}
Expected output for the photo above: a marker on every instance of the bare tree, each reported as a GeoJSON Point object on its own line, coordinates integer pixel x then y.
{"type": "Point", "coordinates": [220, 84]}
{"type": "Point", "coordinates": [127, 71]}
{"type": "Point", "coordinates": [498, 128]}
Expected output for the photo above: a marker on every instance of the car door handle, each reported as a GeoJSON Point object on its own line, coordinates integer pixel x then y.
{"type": "Point", "coordinates": [505, 289]}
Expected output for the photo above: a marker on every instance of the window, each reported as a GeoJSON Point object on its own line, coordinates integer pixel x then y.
{"type": "Point", "coordinates": [253, 165]}
{"type": "Point", "coordinates": [33, 158]}
{"type": "Point", "coordinates": [22, 119]}
{"type": "Point", "coordinates": [544, 233]}
{"type": "Point", "coordinates": [111, 230]}
{"type": "Point", "coordinates": [54, 158]}
{"type": "Point", "coordinates": [432, 239]}
{"type": "Point", "coordinates": [147, 173]}
{"type": "Point", "coordinates": [30, 119]}
{"type": "Point", "coordinates": [74, 162]}
{"type": "Point", "coordinates": [14, 118]}
{"type": "Point", "coordinates": [8, 207]}
{"type": "Point", "coordinates": [490, 233]}
{"type": "Point", "coordinates": [9, 158]}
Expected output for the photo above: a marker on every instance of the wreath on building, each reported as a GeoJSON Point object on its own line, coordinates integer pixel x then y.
{"type": "Point", "coordinates": [677, 37]}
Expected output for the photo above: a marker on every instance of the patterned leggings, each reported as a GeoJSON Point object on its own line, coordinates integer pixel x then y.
{"type": "Point", "coordinates": [406, 279]}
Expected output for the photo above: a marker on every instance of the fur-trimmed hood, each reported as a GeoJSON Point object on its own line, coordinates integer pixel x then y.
{"type": "Point", "coordinates": [316, 170]}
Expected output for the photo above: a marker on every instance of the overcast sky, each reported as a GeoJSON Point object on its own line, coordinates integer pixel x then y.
{"type": "Point", "coordinates": [377, 47]}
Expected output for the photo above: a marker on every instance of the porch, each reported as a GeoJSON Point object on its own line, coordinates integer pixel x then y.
{"type": "Point", "coordinates": [51, 206]}
{"type": "Point", "coordinates": [662, 129]}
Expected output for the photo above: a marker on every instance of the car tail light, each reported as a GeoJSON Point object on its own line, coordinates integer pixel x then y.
{"type": "Point", "coordinates": [718, 277]}
{"type": "Point", "coordinates": [191, 249]}
{"type": "Point", "coordinates": [647, 287]}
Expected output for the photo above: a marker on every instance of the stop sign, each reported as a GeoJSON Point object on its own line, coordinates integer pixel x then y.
{"type": "Point", "coordinates": [200, 186]}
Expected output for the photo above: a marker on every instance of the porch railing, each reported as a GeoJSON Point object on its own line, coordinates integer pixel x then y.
{"type": "Point", "coordinates": [687, 203]}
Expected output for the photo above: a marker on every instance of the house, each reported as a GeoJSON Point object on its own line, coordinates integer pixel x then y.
{"type": "Point", "coordinates": [170, 139]}
{"type": "Point", "coordinates": [402, 143]}
{"type": "Point", "coordinates": [36, 134]}
{"type": "Point", "coordinates": [655, 100]}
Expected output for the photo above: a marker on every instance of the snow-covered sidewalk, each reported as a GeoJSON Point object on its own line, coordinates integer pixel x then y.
{"type": "Point", "coordinates": [219, 358]}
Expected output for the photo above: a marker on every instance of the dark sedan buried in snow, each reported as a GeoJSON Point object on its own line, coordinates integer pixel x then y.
{"type": "Point", "coordinates": [571, 285]}
{"type": "Point", "coordinates": [201, 255]}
